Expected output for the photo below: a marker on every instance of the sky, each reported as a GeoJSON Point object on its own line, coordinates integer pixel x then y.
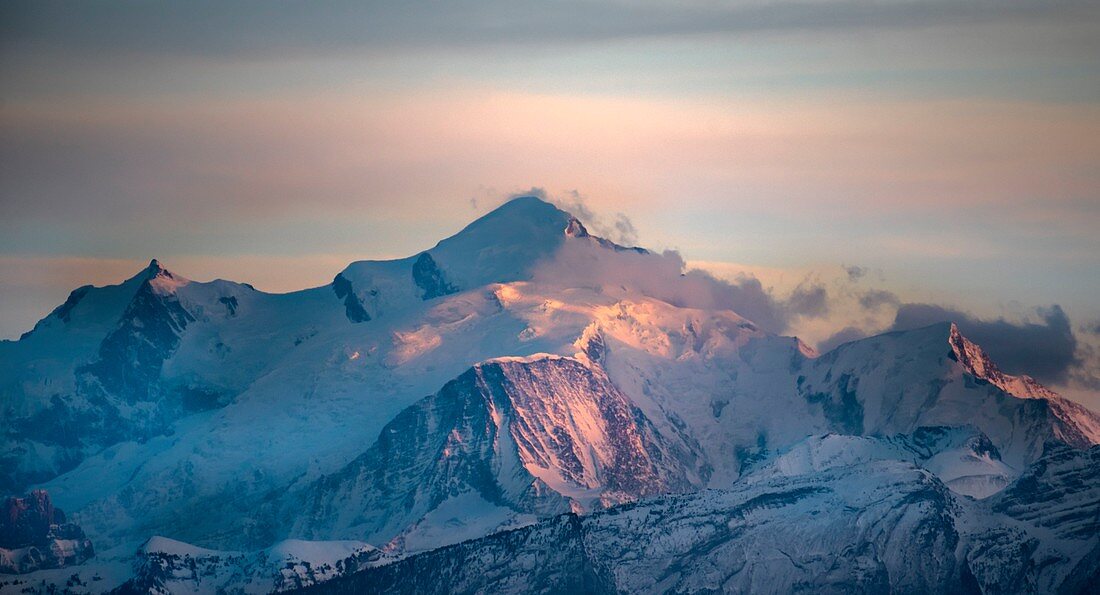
{"type": "Point", "coordinates": [874, 165]}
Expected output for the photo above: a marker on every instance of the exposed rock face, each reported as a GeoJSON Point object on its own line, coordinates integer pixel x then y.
{"type": "Point", "coordinates": [576, 229]}
{"type": "Point", "coordinates": [35, 536]}
{"type": "Point", "coordinates": [1060, 492]}
{"type": "Point", "coordinates": [552, 556]}
{"type": "Point", "coordinates": [896, 382]}
{"type": "Point", "coordinates": [27, 519]}
{"type": "Point", "coordinates": [978, 363]}
{"type": "Point", "coordinates": [353, 307]}
{"type": "Point", "coordinates": [430, 278]}
{"type": "Point", "coordinates": [131, 357]}
{"type": "Point", "coordinates": [538, 436]}
{"type": "Point", "coordinates": [64, 310]}
{"type": "Point", "coordinates": [230, 303]}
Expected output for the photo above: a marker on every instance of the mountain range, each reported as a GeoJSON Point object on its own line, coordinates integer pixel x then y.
{"type": "Point", "coordinates": [525, 407]}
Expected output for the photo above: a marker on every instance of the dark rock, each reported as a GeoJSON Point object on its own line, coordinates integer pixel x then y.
{"type": "Point", "coordinates": [353, 307]}
{"type": "Point", "coordinates": [35, 536]}
{"type": "Point", "coordinates": [65, 310]}
{"type": "Point", "coordinates": [230, 303]}
{"type": "Point", "coordinates": [130, 358]}
{"type": "Point", "coordinates": [430, 278]}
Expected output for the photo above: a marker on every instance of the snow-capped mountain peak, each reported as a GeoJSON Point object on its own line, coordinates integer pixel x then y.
{"type": "Point", "coordinates": [576, 229]}
{"type": "Point", "coordinates": [978, 363]}
{"type": "Point", "coordinates": [507, 245]}
{"type": "Point", "coordinates": [163, 281]}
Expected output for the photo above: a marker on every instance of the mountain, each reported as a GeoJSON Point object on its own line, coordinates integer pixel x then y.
{"type": "Point", "coordinates": [519, 370]}
{"type": "Point", "coordinates": [847, 524]}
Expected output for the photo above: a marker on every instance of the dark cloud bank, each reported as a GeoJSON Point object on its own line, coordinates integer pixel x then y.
{"type": "Point", "coordinates": [1046, 349]}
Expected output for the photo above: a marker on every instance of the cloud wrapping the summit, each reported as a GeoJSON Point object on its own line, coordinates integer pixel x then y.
{"type": "Point", "coordinates": [662, 276]}
{"type": "Point", "coordinates": [620, 229]}
{"type": "Point", "coordinates": [667, 277]}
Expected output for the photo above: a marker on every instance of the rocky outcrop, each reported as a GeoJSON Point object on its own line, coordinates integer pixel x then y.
{"type": "Point", "coordinates": [35, 536]}
{"type": "Point", "coordinates": [540, 436]}
{"type": "Point", "coordinates": [978, 363]}
{"type": "Point", "coordinates": [117, 395]}
{"type": "Point", "coordinates": [353, 307]}
{"type": "Point", "coordinates": [897, 382]}
{"type": "Point", "coordinates": [1060, 492]}
{"type": "Point", "coordinates": [551, 554]}
{"type": "Point", "coordinates": [642, 397]}
{"type": "Point", "coordinates": [430, 278]}
{"type": "Point", "coordinates": [131, 357]}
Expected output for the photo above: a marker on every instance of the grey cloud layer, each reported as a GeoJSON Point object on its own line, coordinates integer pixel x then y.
{"type": "Point", "coordinates": [1046, 350]}
{"type": "Point", "coordinates": [877, 298]}
{"type": "Point", "coordinates": [259, 28]}
{"type": "Point", "coordinates": [808, 299]}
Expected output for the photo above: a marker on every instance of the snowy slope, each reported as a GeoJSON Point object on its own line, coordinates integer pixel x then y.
{"type": "Point", "coordinates": [167, 566]}
{"type": "Point", "coordinates": [962, 458]}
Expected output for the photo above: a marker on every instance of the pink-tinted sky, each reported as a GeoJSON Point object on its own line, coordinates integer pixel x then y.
{"type": "Point", "coordinates": [945, 152]}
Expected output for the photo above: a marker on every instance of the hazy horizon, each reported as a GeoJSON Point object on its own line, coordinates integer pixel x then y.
{"type": "Point", "coordinates": [876, 164]}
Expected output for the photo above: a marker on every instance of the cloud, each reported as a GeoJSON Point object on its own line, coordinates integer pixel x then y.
{"type": "Point", "coordinates": [873, 299]}
{"type": "Point", "coordinates": [625, 230]}
{"type": "Point", "coordinates": [1046, 350]}
{"type": "Point", "coordinates": [1087, 374]}
{"type": "Point", "coordinates": [620, 229]}
{"type": "Point", "coordinates": [855, 273]}
{"type": "Point", "coordinates": [808, 299]}
{"type": "Point", "coordinates": [844, 335]}
{"type": "Point", "coordinates": [665, 277]}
